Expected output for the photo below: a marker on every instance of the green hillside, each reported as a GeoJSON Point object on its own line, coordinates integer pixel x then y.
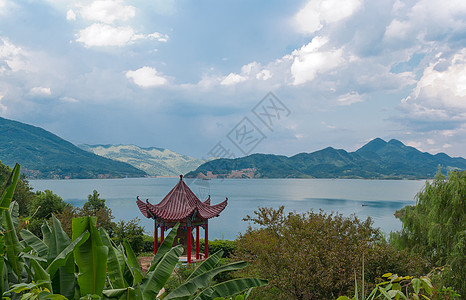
{"type": "Point", "coordinates": [377, 159]}
{"type": "Point", "coordinates": [45, 155]}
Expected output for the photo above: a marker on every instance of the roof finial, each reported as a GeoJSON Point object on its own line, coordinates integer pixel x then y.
{"type": "Point", "coordinates": [181, 177]}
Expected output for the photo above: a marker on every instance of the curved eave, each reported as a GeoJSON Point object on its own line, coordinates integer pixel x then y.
{"type": "Point", "coordinates": [143, 208]}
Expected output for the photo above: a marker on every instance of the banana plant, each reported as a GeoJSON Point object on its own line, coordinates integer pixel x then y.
{"type": "Point", "coordinates": [51, 258]}
{"type": "Point", "coordinates": [197, 286]}
{"type": "Point", "coordinates": [10, 247]}
{"type": "Point", "coordinates": [125, 274]}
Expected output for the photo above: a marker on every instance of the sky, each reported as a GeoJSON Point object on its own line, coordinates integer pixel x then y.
{"type": "Point", "coordinates": [230, 78]}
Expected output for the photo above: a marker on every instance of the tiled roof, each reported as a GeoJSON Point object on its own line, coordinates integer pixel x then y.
{"type": "Point", "coordinates": [180, 203]}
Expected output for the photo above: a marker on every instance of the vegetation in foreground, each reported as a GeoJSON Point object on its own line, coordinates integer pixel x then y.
{"type": "Point", "coordinates": [436, 227]}
{"type": "Point", "coordinates": [313, 255]}
{"type": "Point", "coordinates": [91, 266]}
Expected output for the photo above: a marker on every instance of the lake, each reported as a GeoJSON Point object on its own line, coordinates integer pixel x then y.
{"type": "Point", "coordinates": [378, 199]}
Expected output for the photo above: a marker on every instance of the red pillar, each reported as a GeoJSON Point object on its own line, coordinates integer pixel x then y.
{"type": "Point", "coordinates": [197, 242]}
{"type": "Point", "coordinates": [162, 233]}
{"type": "Point", "coordinates": [156, 238]}
{"type": "Point", "coordinates": [206, 240]}
{"type": "Point", "coordinates": [189, 245]}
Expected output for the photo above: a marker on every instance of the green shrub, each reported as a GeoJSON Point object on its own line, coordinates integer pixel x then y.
{"type": "Point", "coordinates": [228, 247]}
{"type": "Point", "coordinates": [314, 255]}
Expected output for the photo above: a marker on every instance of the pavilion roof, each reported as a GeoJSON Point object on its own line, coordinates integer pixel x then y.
{"type": "Point", "coordinates": [179, 204]}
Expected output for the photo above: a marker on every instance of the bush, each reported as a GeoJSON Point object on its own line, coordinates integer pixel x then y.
{"type": "Point", "coordinates": [315, 255]}
{"type": "Point", "coordinates": [228, 247]}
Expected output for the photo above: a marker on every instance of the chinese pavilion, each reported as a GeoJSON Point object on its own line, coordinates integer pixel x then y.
{"type": "Point", "coordinates": [181, 205]}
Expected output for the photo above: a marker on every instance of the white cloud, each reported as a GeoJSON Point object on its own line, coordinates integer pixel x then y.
{"type": "Point", "coordinates": [317, 13]}
{"type": "Point", "coordinates": [350, 98]}
{"type": "Point", "coordinates": [233, 79]}
{"type": "Point", "coordinates": [14, 57]}
{"type": "Point", "coordinates": [3, 107]}
{"type": "Point", "coordinates": [40, 91]}
{"type": "Point", "coordinates": [70, 15]}
{"type": "Point", "coordinates": [442, 85]}
{"type": "Point", "coordinates": [264, 75]}
{"type": "Point", "coordinates": [158, 36]}
{"type": "Point", "coordinates": [108, 11]}
{"type": "Point", "coordinates": [310, 60]}
{"type": "Point", "coordinates": [69, 99]}
{"type": "Point", "coordinates": [105, 35]}
{"type": "Point", "coordinates": [146, 77]}
{"type": "Point", "coordinates": [101, 35]}
{"type": "Point", "coordinates": [426, 20]}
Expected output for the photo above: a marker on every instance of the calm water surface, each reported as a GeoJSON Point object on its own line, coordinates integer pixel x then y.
{"type": "Point", "coordinates": [378, 199]}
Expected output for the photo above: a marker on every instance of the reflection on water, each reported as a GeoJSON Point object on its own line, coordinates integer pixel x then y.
{"type": "Point", "coordinates": [378, 199]}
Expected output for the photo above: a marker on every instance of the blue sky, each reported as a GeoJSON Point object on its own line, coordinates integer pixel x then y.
{"type": "Point", "coordinates": [183, 74]}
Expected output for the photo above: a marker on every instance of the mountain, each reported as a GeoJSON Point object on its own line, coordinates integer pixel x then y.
{"type": "Point", "coordinates": [154, 161]}
{"type": "Point", "coordinates": [377, 159]}
{"type": "Point", "coordinates": [42, 154]}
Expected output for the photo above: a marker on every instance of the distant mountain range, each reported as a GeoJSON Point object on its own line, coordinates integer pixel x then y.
{"type": "Point", "coordinates": [377, 159]}
{"type": "Point", "coordinates": [154, 161]}
{"type": "Point", "coordinates": [42, 154]}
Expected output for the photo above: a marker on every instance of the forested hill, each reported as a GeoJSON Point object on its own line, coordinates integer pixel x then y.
{"type": "Point", "coordinates": [377, 159]}
{"type": "Point", "coordinates": [42, 154]}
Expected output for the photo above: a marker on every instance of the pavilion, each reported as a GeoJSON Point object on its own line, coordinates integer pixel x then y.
{"type": "Point", "coordinates": [181, 205]}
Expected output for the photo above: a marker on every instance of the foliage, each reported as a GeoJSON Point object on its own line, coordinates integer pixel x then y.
{"type": "Point", "coordinates": [148, 244]}
{"type": "Point", "coordinates": [91, 266]}
{"type": "Point", "coordinates": [33, 291]}
{"type": "Point", "coordinates": [131, 231]}
{"type": "Point", "coordinates": [94, 202]}
{"type": "Point", "coordinates": [23, 192]}
{"type": "Point", "coordinates": [436, 226]}
{"type": "Point", "coordinates": [41, 208]}
{"type": "Point", "coordinates": [94, 206]}
{"type": "Point", "coordinates": [312, 255]}
{"type": "Point", "coordinates": [228, 247]}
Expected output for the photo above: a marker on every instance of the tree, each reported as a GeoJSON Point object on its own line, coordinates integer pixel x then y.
{"type": "Point", "coordinates": [436, 226]}
{"type": "Point", "coordinates": [94, 203]}
{"type": "Point", "coordinates": [315, 255]}
{"type": "Point", "coordinates": [132, 231]}
{"type": "Point", "coordinates": [41, 208]}
{"type": "Point", "coordinates": [94, 206]}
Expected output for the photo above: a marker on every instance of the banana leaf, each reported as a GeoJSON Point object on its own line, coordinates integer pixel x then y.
{"type": "Point", "coordinates": [46, 233]}
{"type": "Point", "coordinates": [13, 247]}
{"type": "Point", "coordinates": [14, 212]}
{"type": "Point", "coordinates": [207, 264]}
{"type": "Point", "coordinates": [61, 265]}
{"type": "Point", "coordinates": [164, 247]}
{"type": "Point", "coordinates": [133, 263]}
{"type": "Point", "coordinates": [41, 274]}
{"type": "Point", "coordinates": [230, 288]}
{"type": "Point", "coordinates": [90, 257]}
{"type": "Point", "coordinates": [157, 278]}
{"type": "Point", "coordinates": [9, 188]}
{"type": "Point", "coordinates": [115, 262]}
{"type": "Point", "coordinates": [36, 243]}
{"type": "Point", "coordinates": [202, 281]}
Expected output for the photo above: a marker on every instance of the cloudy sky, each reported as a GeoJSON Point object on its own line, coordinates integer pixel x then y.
{"type": "Point", "coordinates": [185, 75]}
